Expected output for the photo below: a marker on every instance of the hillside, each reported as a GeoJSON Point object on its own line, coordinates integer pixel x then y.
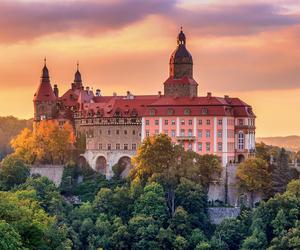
{"type": "Point", "coordinates": [9, 127]}
{"type": "Point", "coordinates": [289, 142]}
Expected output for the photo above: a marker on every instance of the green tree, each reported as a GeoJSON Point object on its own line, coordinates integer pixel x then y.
{"type": "Point", "coordinates": [9, 238]}
{"type": "Point", "coordinates": [152, 203]}
{"type": "Point", "coordinates": [13, 172]}
{"type": "Point", "coordinates": [281, 174]}
{"type": "Point", "coordinates": [253, 175]}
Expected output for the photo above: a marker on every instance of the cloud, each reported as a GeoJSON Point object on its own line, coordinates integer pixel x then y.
{"type": "Point", "coordinates": [29, 20]}
{"type": "Point", "coordinates": [236, 19]}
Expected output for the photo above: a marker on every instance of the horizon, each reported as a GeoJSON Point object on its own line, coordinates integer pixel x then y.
{"type": "Point", "coordinates": [243, 49]}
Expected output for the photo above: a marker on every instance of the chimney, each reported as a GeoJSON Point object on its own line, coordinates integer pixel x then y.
{"type": "Point", "coordinates": [98, 92]}
{"type": "Point", "coordinates": [55, 90]}
{"type": "Point", "coordinates": [226, 96]}
{"type": "Point", "coordinates": [114, 93]}
{"type": "Point", "coordinates": [159, 93]}
{"type": "Point", "coordinates": [208, 95]}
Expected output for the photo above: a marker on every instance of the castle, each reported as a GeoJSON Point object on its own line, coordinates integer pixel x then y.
{"type": "Point", "coordinates": [115, 125]}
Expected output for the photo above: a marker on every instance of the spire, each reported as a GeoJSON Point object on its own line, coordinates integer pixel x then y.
{"type": "Point", "coordinates": [181, 38]}
{"type": "Point", "coordinates": [77, 79]}
{"type": "Point", "coordinates": [45, 71]}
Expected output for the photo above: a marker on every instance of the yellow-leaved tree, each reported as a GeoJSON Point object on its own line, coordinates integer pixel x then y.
{"type": "Point", "coordinates": [48, 143]}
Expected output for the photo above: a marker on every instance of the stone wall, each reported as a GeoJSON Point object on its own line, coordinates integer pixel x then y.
{"type": "Point", "coordinates": [53, 172]}
{"type": "Point", "coordinates": [218, 214]}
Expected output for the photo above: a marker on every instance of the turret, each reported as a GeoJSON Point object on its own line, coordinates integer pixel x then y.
{"type": "Point", "coordinates": [180, 81]}
{"type": "Point", "coordinates": [44, 99]}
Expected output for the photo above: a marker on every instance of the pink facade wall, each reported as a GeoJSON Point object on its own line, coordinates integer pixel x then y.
{"type": "Point", "coordinates": [210, 131]}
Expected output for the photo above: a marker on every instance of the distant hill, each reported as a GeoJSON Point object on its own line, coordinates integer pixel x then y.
{"type": "Point", "coordinates": [291, 143]}
{"type": "Point", "coordinates": [9, 127]}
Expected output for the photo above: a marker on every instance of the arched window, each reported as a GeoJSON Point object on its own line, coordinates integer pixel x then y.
{"type": "Point", "coordinates": [241, 140]}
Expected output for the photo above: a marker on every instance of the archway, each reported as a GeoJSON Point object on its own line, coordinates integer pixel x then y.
{"type": "Point", "coordinates": [125, 163]}
{"type": "Point", "coordinates": [101, 165]}
{"type": "Point", "coordinates": [82, 163]}
{"type": "Point", "coordinates": [241, 158]}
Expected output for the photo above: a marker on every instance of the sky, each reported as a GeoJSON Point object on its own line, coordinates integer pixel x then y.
{"type": "Point", "coordinates": [241, 48]}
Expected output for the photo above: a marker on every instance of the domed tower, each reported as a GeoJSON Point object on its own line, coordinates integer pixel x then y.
{"type": "Point", "coordinates": [44, 99]}
{"type": "Point", "coordinates": [180, 81]}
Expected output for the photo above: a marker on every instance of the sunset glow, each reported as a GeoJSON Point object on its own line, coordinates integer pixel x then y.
{"type": "Point", "coordinates": [248, 49]}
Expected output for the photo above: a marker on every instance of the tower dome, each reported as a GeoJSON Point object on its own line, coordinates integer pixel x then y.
{"type": "Point", "coordinates": [77, 78]}
{"type": "Point", "coordinates": [181, 61]}
{"type": "Point", "coordinates": [180, 81]}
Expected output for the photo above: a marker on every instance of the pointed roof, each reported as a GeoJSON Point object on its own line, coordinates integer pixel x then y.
{"type": "Point", "coordinates": [45, 91]}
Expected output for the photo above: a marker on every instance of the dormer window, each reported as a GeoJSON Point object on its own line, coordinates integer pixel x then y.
{"type": "Point", "coordinates": [187, 112]}
{"type": "Point", "coordinates": [170, 111]}
{"type": "Point", "coordinates": [204, 111]}
{"type": "Point", "coordinates": [152, 112]}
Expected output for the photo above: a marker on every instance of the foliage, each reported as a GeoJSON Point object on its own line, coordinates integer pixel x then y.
{"type": "Point", "coordinates": [9, 127]}
{"type": "Point", "coordinates": [13, 172]}
{"type": "Point", "coordinates": [253, 175]}
{"type": "Point", "coordinates": [48, 143]}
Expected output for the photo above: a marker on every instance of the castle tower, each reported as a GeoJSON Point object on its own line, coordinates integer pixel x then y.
{"type": "Point", "coordinates": [44, 99]}
{"type": "Point", "coordinates": [77, 79]}
{"type": "Point", "coordinates": [180, 81]}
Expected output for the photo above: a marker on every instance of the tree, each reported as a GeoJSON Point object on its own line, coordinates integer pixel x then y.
{"type": "Point", "coordinates": [13, 172]}
{"type": "Point", "coordinates": [253, 176]}
{"type": "Point", "coordinates": [48, 143]}
{"type": "Point", "coordinates": [152, 203]}
{"type": "Point", "coordinates": [9, 238]}
{"type": "Point", "coordinates": [281, 174]}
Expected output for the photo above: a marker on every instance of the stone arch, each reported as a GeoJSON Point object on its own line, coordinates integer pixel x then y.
{"type": "Point", "coordinates": [241, 158]}
{"type": "Point", "coordinates": [82, 162]}
{"type": "Point", "coordinates": [125, 162]}
{"type": "Point", "coordinates": [101, 164]}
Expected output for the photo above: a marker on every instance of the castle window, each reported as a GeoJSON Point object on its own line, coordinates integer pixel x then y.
{"type": "Point", "coordinates": [241, 140]}
{"type": "Point", "coordinates": [147, 122]}
{"type": "Point", "coordinates": [170, 111]}
{"type": "Point", "coordinates": [133, 146]}
{"type": "Point", "coordinates": [190, 132]}
{"type": "Point", "coordinates": [190, 122]}
{"type": "Point", "coordinates": [156, 122]}
{"type": "Point", "coordinates": [199, 146]}
{"type": "Point", "coordinates": [118, 146]}
{"type": "Point", "coordinates": [125, 146]}
{"type": "Point", "coordinates": [220, 146]}
{"type": "Point", "coordinates": [208, 122]}
{"type": "Point", "coordinates": [100, 146]}
{"type": "Point", "coordinates": [190, 146]}
{"type": "Point", "coordinates": [207, 133]}
{"type": "Point", "coordinates": [108, 146]}
{"type": "Point", "coordinates": [220, 122]}
{"type": "Point", "coordinates": [125, 132]}
{"type": "Point", "coordinates": [220, 133]}
{"type": "Point", "coordinates": [182, 132]}
{"type": "Point", "coordinates": [187, 112]}
{"type": "Point", "coordinates": [199, 133]}
{"type": "Point", "coordinates": [182, 121]}
{"type": "Point", "coordinates": [204, 111]}
{"type": "Point", "coordinates": [173, 133]}
{"type": "Point", "coordinates": [133, 132]}
{"type": "Point", "coordinates": [152, 112]}
{"type": "Point", "coordinates": [108, 132]}
{"type": "Point", "coordinates": [147, 133]}
{"type": "Point", "coordinates": [166, 122]}
{"type": "Point", "coordinates": [117, 132]}
{"type": "Point", "coordinates": [200, 122]}
{"type": "Point", "coordinates": [207, 146]}
{"type": "Point", "coordinates": [241, 122]}
{"type": "Point", "coordinates": [173, 122]}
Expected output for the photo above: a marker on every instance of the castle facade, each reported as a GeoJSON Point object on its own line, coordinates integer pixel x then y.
{"type": "Point", "coordinates": [115, 125]}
